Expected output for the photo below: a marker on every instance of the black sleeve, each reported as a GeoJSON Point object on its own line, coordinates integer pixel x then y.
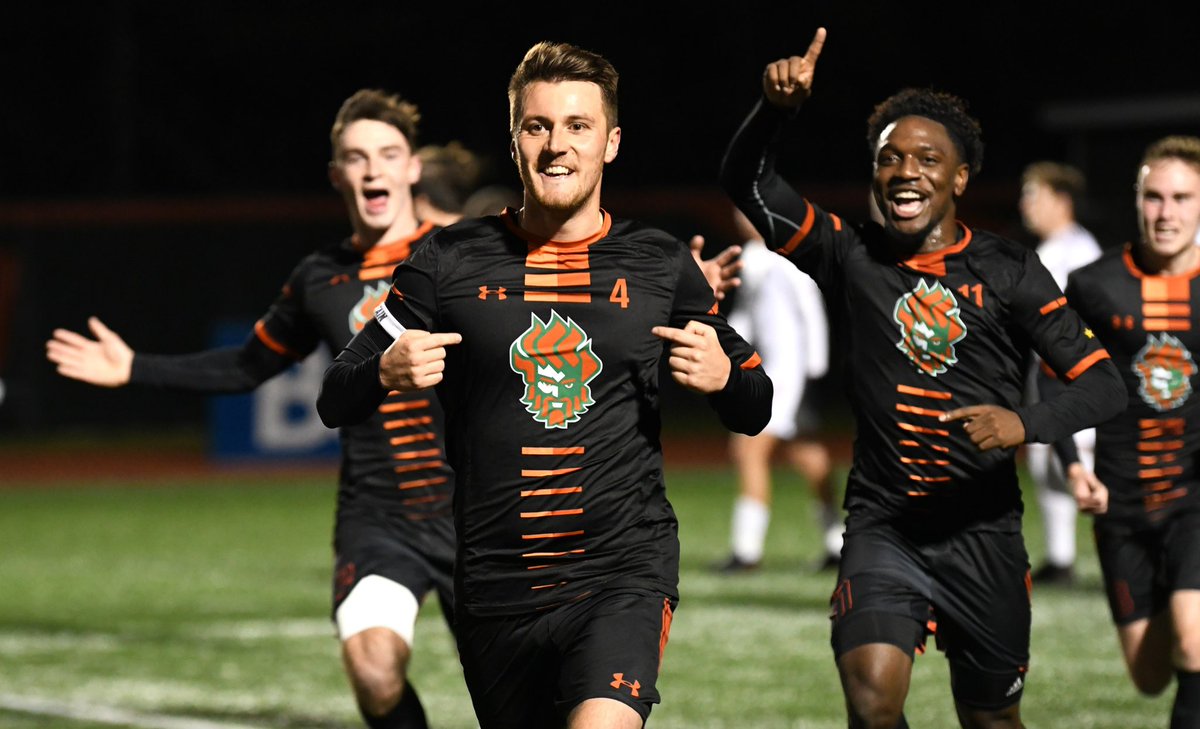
{"type": "Point", "coordinates": [350, 391]}
{"type": "Point", "coordinates": [223, 370]}
{"type": "Point", "coordinates": [1093, 397]}
{"type": "Point", "coordinates": [1064, 448]}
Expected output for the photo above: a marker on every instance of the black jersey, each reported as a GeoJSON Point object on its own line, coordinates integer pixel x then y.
{"type": "Point", "coordinates": [1146, 456]}
{"type": "Point", "coordinates": [551, 401]}
{"type": "Point", "coordinates": [923, 334]}
{"type": "Point", "coordinates": [397, 455]}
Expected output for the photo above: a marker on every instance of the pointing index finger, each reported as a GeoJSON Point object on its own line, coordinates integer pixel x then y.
{"type": "Point", "coordinates": [960, 413]}
{"type": "Point", "coordinates": [814, 48]}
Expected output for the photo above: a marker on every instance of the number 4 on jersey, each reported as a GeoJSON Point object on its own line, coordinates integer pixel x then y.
{"type": "Point", "coordinates": [620, 294]}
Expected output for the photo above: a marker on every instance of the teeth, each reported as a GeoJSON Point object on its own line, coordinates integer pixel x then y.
{"type": "Point", "coordinates": [556, 170]}
{"type": "Point", "coordinates": [906, 196]}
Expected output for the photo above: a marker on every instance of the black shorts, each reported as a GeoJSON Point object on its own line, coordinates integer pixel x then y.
{"type": "Point", "coordinates": [415, 553]}
{"type": "Point", "coordinates": [970, 589]}
{"type": "Point", "coordinates": [1142, 566]}
{"type": "Point", "coordinates": [530, 671]}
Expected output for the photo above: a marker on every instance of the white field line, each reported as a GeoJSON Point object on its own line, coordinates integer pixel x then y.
{"type": "Point", "coordinates": [110, 714]}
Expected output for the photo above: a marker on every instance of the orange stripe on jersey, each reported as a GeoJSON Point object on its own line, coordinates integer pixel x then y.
{"type": "Point", "coordinates": [941, 449]}
{"type": "Point", "coordinates": [418, 466]}
{"type": "Point", "coordinates": [918, 429]}
{"type": "Point", "coordinates": [511, 222]}
{"type": "Point", "coordinates": [1168, 288]}
{"type": "Point", "coordinates": [665, 631]}
{"type": "Point", "coordinates": [1084, 364]}
{"type": "Point", "coordinates": [543, 555]}
{"type": "Point", "coordinates": [558, 279]}
{"type": "Point", "coordinates": [1162, 445]}
{"type": "Point", "coordinates": [403, 439]}
{"type": "Point", "coordinates": [396, 407]}
{"type": "Point", "coordinates": [1160, 472]}
{"type": "Point", "coordinates": [920, 392]}
{"type": "Point", "coordinates": [425, 499]}
{"type": "Point", "coordinates": [422, 483]}
{"type": "Point", "coordinates": [928, 479]}
{"type": "Point", "coordinates": [407, 422]}
{"type": "Point", "coordinates": [910, 443]}
{"type": "Point", "coordinates": [1166, 325]}
{"type": "Point", "coordinates": [1160, 485]}
{"type": "Point", "coordinates": [552, 492]}
{"type": "Point", "coordinates": [751, 363]}
{"type": "Point", "coordinates": [555, 297]}
{"type": "Point", "coordinates": [539, 473]}
{"type": "Point", "coordinates": [810, 216]}
{"type": "Point", "coordinates": [540, 451]}
{"type": "Point", "coordinates": [837, 222]}
{"type": "Point", "coordinates": [377, 272]}
{"type": "Point", "coordinates": [557, 259]}
{"type": "Point", "coordinates": [935, 262]}
{"type": "Point", "coordinates": [1157, 501]}
{"type": "Point", "coordinates": [552, 535]}
{"type": "Point", "coordinates": [1175, 424]}
{"type": "Point", "coordinates": [260, 331]}
{"type": "Point", "coordinates": [393, 251]}
{"type": "Point", "coordinates": [918, 411]}
{"type": "Point", "coordinates": [917, 493]}
{"type": "Point", "coordinates": [558, 512]}
{"type": "Point", "coordinates": [1148, 460]}
{"type": "Point", "coordinates": [923, 461]}
{"type": "Point", "coordinates": [539, 566]}
{"type": "Point", "coordinates": [1166, 310]}
{"type": "Point", "coordinates": [1053, 305]}
{"type": "Point", "coordinates": [413, 455]}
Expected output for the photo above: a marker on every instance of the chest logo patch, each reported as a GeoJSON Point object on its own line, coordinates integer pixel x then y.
{"type": "Point", "coordinates": [1164, 368]}
{"type": "Point", "coordinates": [555, 360]}
{"type": "Point", "coordinates": [930, 326]}
{"type": "Point", "coordinates": [364, 310]}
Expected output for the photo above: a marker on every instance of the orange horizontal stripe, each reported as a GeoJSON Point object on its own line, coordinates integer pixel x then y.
{"type": "Point", "coordinates": [1159, 485]}
{"type": "Point", "coordinates": [1176, 423]}
{"type": "Point", "coordinates": [918, 493]}
{"type": "Point", "coordinates": [558, 279]}
{"type": "Point", "coordinates": [1168, 458]}
{"type": "Point", "coordinates": [837, 222]}
{"type": "Point", "coordinates": [539, 566]}
{"type": "Point", "coordinates": [418, 466]}
{"type": "Point", "coordinates": [552, 535]}
{"type": "Point", "coordinates": [918, 411]}
{"type": "Point", "coordinates": [542, 555]}
{"type": "Point", "coordinates": [1160, 472]}
{"type": "Point", "coordinates": [928, 479]}
{"type": "Point", "coordinates": [552, 492]}
{"type": "Point", "coordinates": [1167, 325]}
{"type": "Point", "coordinates": [395, 407]}
{"type": "Point", "coordinates": [413, 455]}
{"type": "Point", "coordinates": [918, 429]}
{"type": "Point", "coordinates": [943, 449]}
{"type": "Point", "coordinates": [1167, 310]}
{"type": "Point", "coordinates": [1147, 460]}
{"type": "Point", "coordinates": [1161, 445]}
{"type": "Point", "coordinates": [260, 331]}
{"type": "Point", "coordinates": [1084, 364]}
{"type": "Point", "coordinates": [402, 439]}
{"type": "Point", "coordinates": [810, 216]}
{"type": "Point", "coordinates": [376, 272]}
{"type": "Point", "coordinates": [1153, 433]}
{"type": "Point", "coordinates": [537, 451]}
{"type": "Point", "coordinates": [1056, 304]}
{"type": "Point", "coordinates": [563, 260]}
{"type": "Point", "coordinates": [924, 461]}
{"type": "Point", "coordinates": [910, 443]}
{"type": "Point", "coordinates": [547, 587]}
{"type": "Point", "coordinates": [1166, 288]}
{"type": "Point", "coordinates": [407, 422]}
{"type": "Point", "coordinates": [555, 297]}
{"type": "Point", "coordinates": [1157, 501]}
{"type": "Point", "coordinates": [421, 483]}
{"type": "Point", "coordinates": [425, 499]}
{"type": "Point", "coordinates": [751, 363]}
{"type": "Point", "coordinates": [540, 473]}
{"type": "Point", "coordinates": [921, 392]}
{"type": "Point", "coordinates": [556, 512]}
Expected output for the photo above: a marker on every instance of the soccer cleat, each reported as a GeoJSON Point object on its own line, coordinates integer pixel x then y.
{"type": "Point", "coordinates": [1052, 574]}
{"type": "Point", "coordinates": [735, 565]}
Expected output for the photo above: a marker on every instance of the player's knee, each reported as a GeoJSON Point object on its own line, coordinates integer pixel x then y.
{"type": "Point", "coordinates": [1151, 680]}
{"type": "Point", "coordinates": [872, 709]}
{"type": "Point", "coordinates": [376, 662]}
{"type": "Point", "coordinates": [1186, 653]}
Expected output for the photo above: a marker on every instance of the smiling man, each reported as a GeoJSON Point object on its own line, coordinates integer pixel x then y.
{"type": "Point", "coordinates": [393, 535]}
{"type": "Point", "coordinates": [936, 317]}
{"type": "Point", "coordinates": [543, 329]}
{"type": "Point", "coordinates": [1140, 299]}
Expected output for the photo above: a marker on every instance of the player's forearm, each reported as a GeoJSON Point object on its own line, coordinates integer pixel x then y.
{"type": "Point", "coordinates": [351, 391]}
{"type": "Point", "coordinates": [744, 405]}
{"type": "Point", "coordinates": [224, 370]}
{"type": "Point", "coordinates": [1097, 395]}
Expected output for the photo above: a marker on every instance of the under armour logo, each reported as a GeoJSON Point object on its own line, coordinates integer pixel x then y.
{"type": "Point", "coordinates": [619, 681]}
{"type": "Point", "coordinates": [499, 292]}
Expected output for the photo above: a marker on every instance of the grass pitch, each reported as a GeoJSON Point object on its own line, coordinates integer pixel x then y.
{"type": "Point", "coordinates": [183, 604]}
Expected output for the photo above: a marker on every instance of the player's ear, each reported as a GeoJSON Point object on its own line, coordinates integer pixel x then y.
{"type": "Point", "coordinates": [512, 150]}
{"type": "Point", "coordinates": [336, 178]}
{"type": "Point", "coordinates": [414, 169]}
{"type": "Point", "coordinates": [961, 176]}
{"type": "Point", "coordinates": [614, 144]}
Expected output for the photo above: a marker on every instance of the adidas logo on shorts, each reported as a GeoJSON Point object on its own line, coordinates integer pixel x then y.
{"type": "Point", "coordinates": [1017, 685]}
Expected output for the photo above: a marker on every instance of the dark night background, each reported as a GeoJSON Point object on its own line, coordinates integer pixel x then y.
{"type": "Point", "coordinates": [164, 163]}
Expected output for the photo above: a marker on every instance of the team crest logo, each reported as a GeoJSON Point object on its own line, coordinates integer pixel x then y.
{"type": "Point", "coordinates": [556, 361]}
{"type": "Point", "coordinates": [364, 310]}
{"type": "Point", "coordinates": [930, 326]}
{"type": "Point", "coordinates": [1164, 368]}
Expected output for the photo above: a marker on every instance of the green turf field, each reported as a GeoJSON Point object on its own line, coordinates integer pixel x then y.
{"type": "Point", "coordinates": [176, 599]}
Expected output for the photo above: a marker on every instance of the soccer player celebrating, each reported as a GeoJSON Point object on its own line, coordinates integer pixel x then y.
{"type": "Point", "coordinates": [1139, 301]}
{"type": "Point", "coordinates": [543, 329]}
{"type": "Point", "coordinates": [394, 536]}
{"type": "Point", "coordinates": [937, 318]}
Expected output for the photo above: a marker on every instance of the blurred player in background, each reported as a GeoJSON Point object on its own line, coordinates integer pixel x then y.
{"type": "Point", "coordinates": [450, 174]}
{"type": "Point", "coordinates": [779, 310]}
{"type": "Point", "coordinates": [1051, 195]}
{"type": "Point", "coordinates": [1141, 301]}
{"type": "Point", "coordinates": [393, 536]}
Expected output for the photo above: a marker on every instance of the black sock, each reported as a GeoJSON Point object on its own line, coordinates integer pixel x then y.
{"type": "Point", "coordinates": [408, 714]}
{"type": "Point", "coordinates": [1186, 712]}
{"type": "Point", "coordinates": [902, 724]}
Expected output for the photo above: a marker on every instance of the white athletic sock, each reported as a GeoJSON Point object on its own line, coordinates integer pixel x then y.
{"type": "Point", "coordinates": [1058, 515]}
{"type": "Point", "coordinates": [750, 520]}
{"type": "Point", "coordinates": [832, 527]}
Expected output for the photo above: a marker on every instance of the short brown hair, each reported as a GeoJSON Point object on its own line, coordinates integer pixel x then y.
{"type": "Point", "coordinates": [1061, 178]}
{"type": "Point", "coordinates": [1182, 148]}
{"type": "Point", "coordinates": [376, 105]}
{"type": "Point", "coordinates": [555, 62]}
